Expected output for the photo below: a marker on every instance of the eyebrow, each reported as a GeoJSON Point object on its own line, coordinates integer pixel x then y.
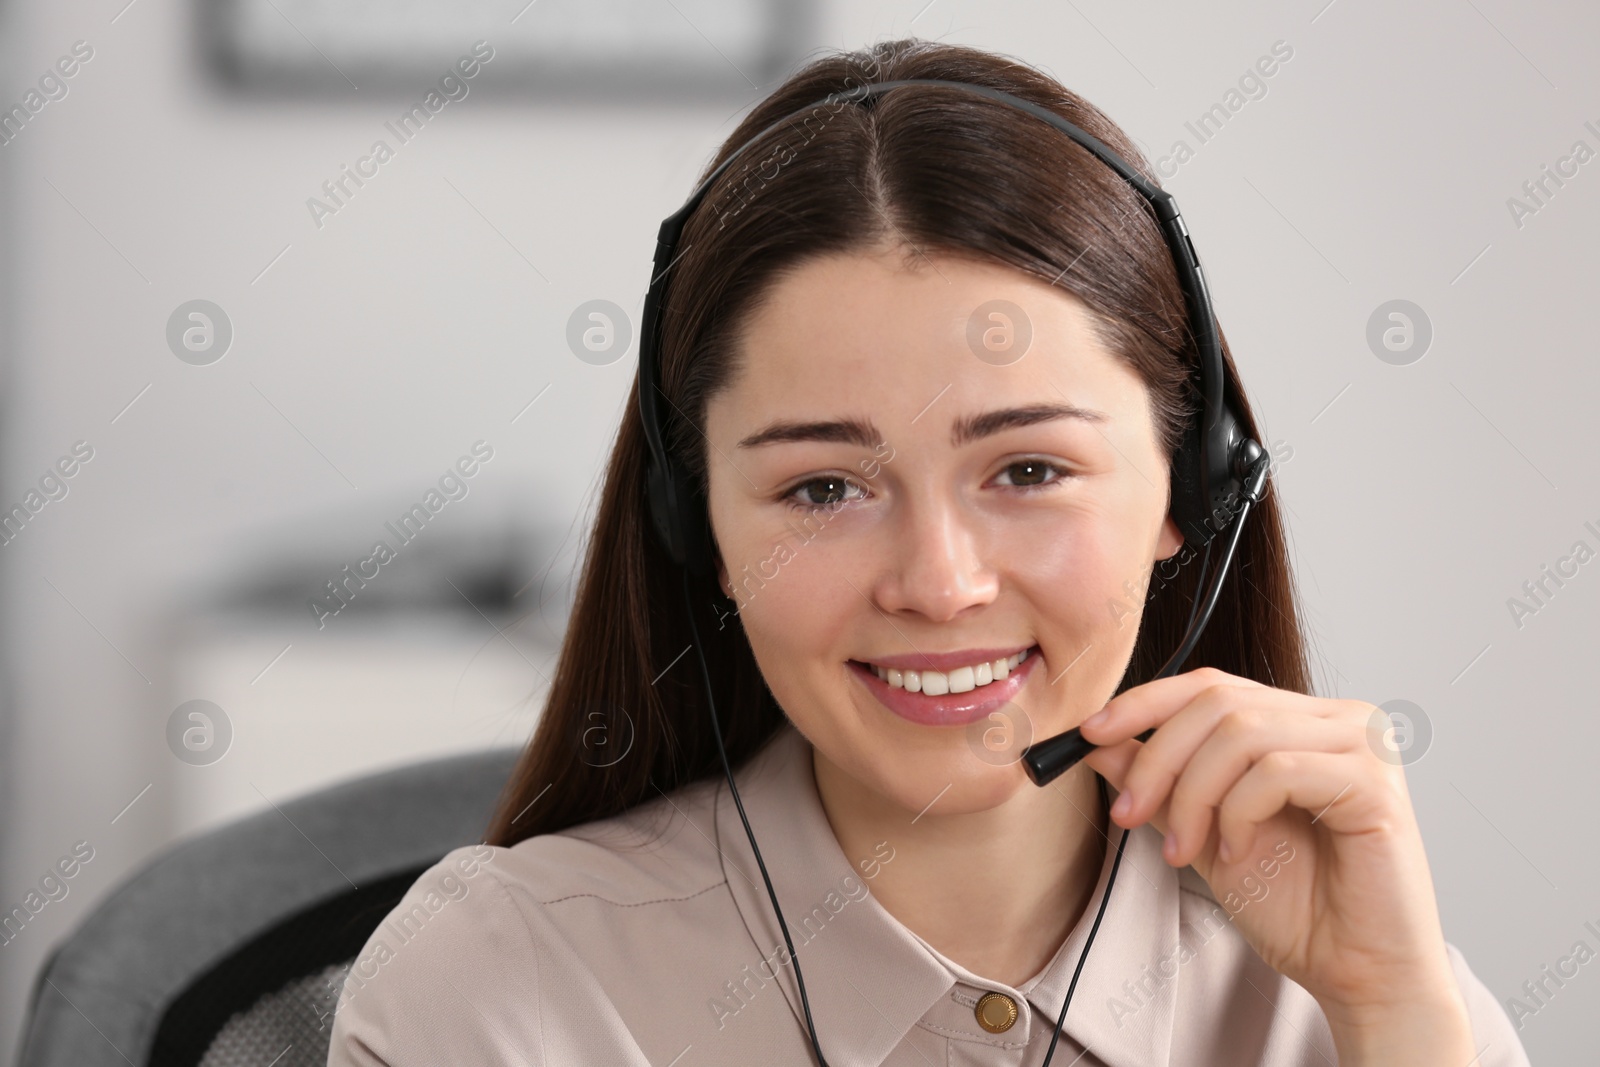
{"type": "Point", "coordinates": [993, 422]}
{"type": "Point", "coordinates": [863, 433]}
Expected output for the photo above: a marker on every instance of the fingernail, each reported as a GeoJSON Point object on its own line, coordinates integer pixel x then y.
{"type": "Point", "coordinates": [1123, 805]}
{"type": "Point", "coordinates": [1224, 853]}
{"type": "Point", "coordinates": [1097, 719]}
{"type": "Point", "coordinates": [1170, 846]}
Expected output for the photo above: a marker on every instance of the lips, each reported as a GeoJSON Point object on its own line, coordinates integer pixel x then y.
{"type": "Point", "coordinates": [962, 679]}
{"type": "Point", "coordinates": [955, 697]}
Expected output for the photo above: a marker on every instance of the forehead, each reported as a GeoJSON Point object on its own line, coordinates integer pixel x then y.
{"type": "Point", "coordinates": [888, 330]}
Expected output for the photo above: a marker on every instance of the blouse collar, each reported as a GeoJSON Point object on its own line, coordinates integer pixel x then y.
{"type": "Point", "coordinates": [870, 980]}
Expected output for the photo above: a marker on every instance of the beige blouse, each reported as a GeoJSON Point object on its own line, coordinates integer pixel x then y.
{"type": "Point", "coordinates": [647, 940]}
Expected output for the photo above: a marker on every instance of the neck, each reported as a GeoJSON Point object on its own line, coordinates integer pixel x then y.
{"type": "Point", "coordinates": [997, 891]}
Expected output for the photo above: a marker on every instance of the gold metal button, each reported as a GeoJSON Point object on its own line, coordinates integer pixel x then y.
{"type": "Point", "coordinates": [996, 1012]}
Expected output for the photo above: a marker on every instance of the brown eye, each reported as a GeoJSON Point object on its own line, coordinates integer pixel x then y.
{"type": "Point", "coordinates": [821, 492]}
{"type": "Point", "coordinates": [1029, 472]}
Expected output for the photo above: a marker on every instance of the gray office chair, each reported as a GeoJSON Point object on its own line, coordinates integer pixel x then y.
{"type": "Point", "coordinates": [229, 950]}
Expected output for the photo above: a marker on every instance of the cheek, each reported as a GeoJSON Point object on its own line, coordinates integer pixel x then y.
{"type": "Point", "coordinates": [1085, 574]}
{"type": "Point", "coordinates": [795, 602]}
{"type": "Point", "coordinates": [1085, 584]}
{"type": "Point", "coordinates": [791, 602]}
{"type": "Point", "coordinates": [801, 620]}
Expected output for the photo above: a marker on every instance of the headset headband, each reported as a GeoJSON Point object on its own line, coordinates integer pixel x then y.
{"type": "Point", "coordinates": [1211, 461]}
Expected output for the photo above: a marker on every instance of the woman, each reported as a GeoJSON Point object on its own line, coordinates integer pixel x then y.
{"type": "Point", "coordinates": [929, 549]}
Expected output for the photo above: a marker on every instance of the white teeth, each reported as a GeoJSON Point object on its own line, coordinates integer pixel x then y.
{"type": "Point", "coordinates": [960, 680]}
{"type": "Point", "coordinates": [963, 680]}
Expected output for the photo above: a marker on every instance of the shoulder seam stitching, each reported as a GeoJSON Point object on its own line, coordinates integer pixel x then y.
{"type": "Point", "coordinates": [637, 904]}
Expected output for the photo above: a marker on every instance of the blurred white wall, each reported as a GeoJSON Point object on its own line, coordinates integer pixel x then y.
{"type": "Point", "coordinates": [370, 353]}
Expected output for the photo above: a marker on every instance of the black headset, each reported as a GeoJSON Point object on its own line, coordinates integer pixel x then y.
{"type": "Point", "coordinates": [1218, 471]}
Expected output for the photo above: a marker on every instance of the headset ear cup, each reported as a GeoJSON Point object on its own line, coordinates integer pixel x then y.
{"type": "Point", "coordinates": [678, 517]}
{"type": "Point", "coordinates": [1225, 470]}
{"type": "Point", "coordinates": [659, 499]}
{"type": "Point", "coordinates": [1208, 477]}
{"type": "Point", "coordinates": [694, 528]}
{"type": "Point", "coordinates": [1188, 494]}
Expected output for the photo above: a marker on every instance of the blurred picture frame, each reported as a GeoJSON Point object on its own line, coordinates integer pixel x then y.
{"type": "Point", "coordinates": [630, 51]}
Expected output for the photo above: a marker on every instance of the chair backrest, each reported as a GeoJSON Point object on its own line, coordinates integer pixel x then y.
{"type": "Point", "coordinates": [237, 940]}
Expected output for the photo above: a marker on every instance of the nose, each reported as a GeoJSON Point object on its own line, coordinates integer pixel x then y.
{"type": "Point", "coordinates": [935, 563]}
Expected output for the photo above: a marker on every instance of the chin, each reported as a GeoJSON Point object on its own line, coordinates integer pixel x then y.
{"type": "Point", "coordinates": [963, 782]}
{"type": "Point", "coordinates": [969, 768]}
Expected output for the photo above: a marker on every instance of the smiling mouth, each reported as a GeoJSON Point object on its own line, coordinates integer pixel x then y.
{"type": "Point", "coordinates": [959, 680]}
{"type": "Point", "coordinates": [957, 696]}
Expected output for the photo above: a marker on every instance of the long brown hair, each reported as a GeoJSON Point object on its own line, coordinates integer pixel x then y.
{"type": "Point", "coordinates": [934, 170]}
